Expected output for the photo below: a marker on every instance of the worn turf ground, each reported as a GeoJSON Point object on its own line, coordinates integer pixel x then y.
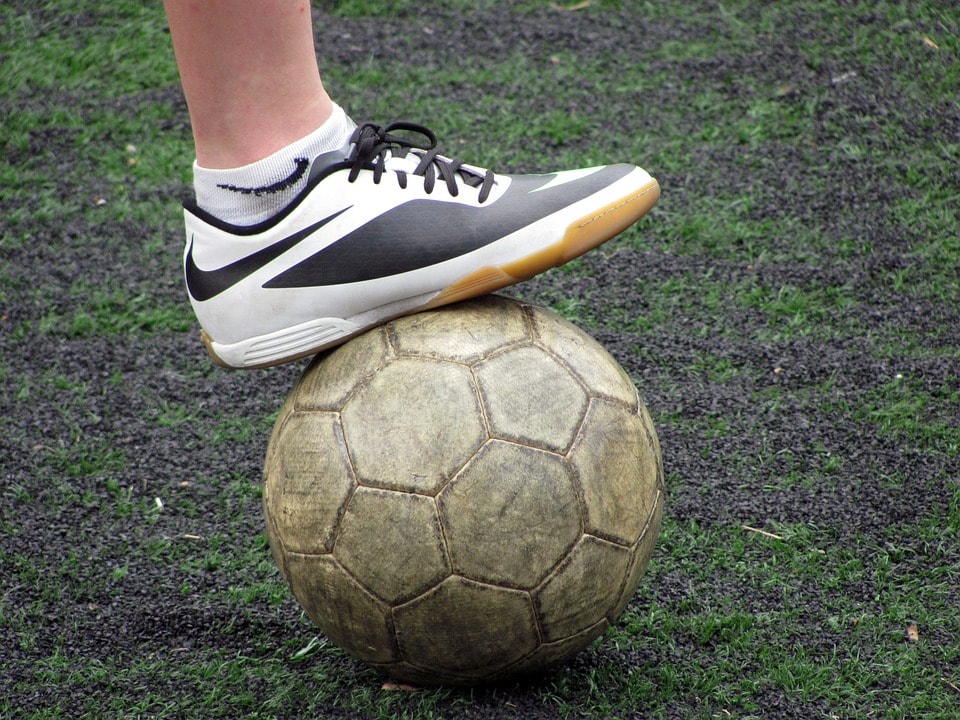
{"type": "Point", "coordinates": [789, 310]}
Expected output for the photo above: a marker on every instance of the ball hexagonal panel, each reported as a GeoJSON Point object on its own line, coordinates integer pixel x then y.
{"type": "Point", "coordinates": [464, 332]}
{"type": "Point", "coordinates": [584, 356]}
{"type": "Point", "coordinates": [344, 369]}
{"type": "Point", "coordinates": [618, 471]}
{"type": "Point", "coordinates": [640, 556]}
{"type": "Point", "coordinates": [272, 480]}
{"type": "Point", "coordinates": [551, 653]}
{"type": "Point", "coordinates": [308, 481]}
{"type": "Point", "coordinates": [583, 590]}
{"type": "Point", "coordinates": [413, 425]}
{"type": "Point", "coordinates": [653, 441]}
{"type": "Point", "coordinates": [511, 515]}
{"type": "Point", "coordinates": [531, 398]}
{"type": "Point", "coordinates": [391, 542]}
{"type": "Point", "coordinates": [348, 614]}
{"type": "Point", "coordinates": [466, 629]}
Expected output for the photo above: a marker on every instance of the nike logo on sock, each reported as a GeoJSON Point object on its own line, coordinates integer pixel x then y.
{"type": "Point", "coordinates": [288, 182]}
{"type": "Point", "coordinates": [205, 284]}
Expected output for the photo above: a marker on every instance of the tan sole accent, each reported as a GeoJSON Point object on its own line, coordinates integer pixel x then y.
{"type": "Point", "coordinates": [581, 235]}
{"type": "Point", "coordinates": [208, 344]}
{"type": "Point", "coordinates": [479, 282]}
{"type": "Point", "coordinates": [588, 232]}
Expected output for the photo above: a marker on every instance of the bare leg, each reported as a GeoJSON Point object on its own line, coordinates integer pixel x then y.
{"type": "Point", "coordinates": [307, 230]}
{"type": "Point", "coordinates": [249, 72]}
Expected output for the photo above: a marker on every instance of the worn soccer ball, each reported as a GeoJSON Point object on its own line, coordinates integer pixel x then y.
{"type": "Point", "coordinates": [464, 495]}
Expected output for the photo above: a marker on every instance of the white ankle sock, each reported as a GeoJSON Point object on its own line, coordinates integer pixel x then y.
{"type": "Point", "coordinates": [253, 193]}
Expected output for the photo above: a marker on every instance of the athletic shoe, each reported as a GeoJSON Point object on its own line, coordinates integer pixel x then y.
{"type": "Point", "coordinates": [386, 227]}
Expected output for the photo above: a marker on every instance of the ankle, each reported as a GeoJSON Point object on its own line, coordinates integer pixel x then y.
{"type": "Point", "coordinates": [241, 141]}
{"type": "Point", "coordinates": [252, 192]}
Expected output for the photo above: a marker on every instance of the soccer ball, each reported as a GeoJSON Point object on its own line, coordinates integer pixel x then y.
{"type": "Point", "coordinates": [466, 494]}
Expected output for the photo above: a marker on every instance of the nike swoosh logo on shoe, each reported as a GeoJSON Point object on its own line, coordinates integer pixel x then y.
{"type": "Point", "coordinates": [206, 284]}
{"type": "Point", "coordinates": [421, 233]}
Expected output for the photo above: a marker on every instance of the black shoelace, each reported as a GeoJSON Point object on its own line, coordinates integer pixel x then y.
{"type": "Point", "coordinates": [373, 143]}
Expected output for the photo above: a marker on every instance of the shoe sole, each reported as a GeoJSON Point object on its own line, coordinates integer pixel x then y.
{"type": "Point", "coordinates": [310, 338]}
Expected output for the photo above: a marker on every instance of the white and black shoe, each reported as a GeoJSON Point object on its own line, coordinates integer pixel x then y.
{"type": "Point", "coordinates": [387, 227]}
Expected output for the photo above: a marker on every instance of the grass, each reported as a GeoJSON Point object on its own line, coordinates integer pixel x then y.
{"type": "Point", "coordinates": [861, 643]}
{"type": "Point", "coordinates": [800, 613]}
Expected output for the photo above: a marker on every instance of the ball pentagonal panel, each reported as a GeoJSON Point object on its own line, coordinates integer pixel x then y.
{"type": "Point", "coordinates": [413, 425]}
{"type": "Point", "coordinates": [309, 478]}
{"type": "Point", "coordinates": [617, 467]}
{"type": "Point", "coordinates": [466, 629]}
{"type": "Point", "coordinates": [584, 356]}
{"type": "Point", "coordinates": [531, 398]}
{"type": "Point", "coordinates": [584, 589]}
{"type": "Point", "coordinates": [391, 542]}
{"type": "Point", "coordinates": [464, 332]}
{"type": "Point", "coordinates": [511, 515]}
{"type": "Point", "coordinates": [344, 369]}
{"type": "Point", "coordinates": [349, 615]}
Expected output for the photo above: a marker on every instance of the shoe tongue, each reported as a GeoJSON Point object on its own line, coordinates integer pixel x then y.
{"type": "Point", "coordinates": [411, 161]}
{"type": "Point", "coordinates": [406, 164]}
{"type": "Point", "coordinates": [321, 162]}
{"type": "Point", "coordinates": [324, 160]}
